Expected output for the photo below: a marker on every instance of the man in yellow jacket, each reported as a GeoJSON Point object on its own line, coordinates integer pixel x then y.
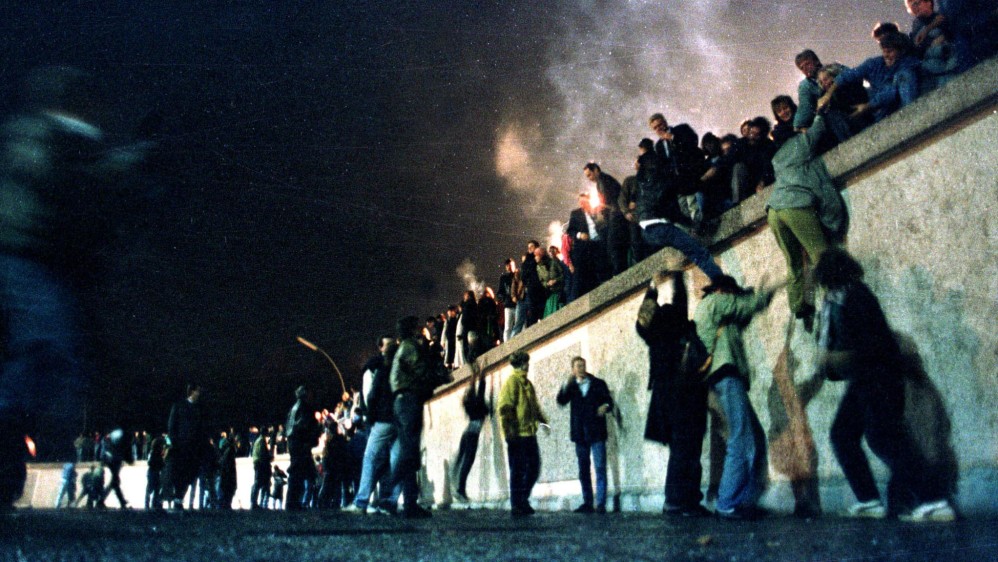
{"type": "Point", "coordinates": [520, 415]}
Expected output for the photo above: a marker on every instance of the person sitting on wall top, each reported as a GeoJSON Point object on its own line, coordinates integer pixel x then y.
{"type": "Point", "coordinates": [842, 114]}
{"type": "Point", "coordinates": [893, 76]}
{"type": "Point", "coordinates": [944, 51]}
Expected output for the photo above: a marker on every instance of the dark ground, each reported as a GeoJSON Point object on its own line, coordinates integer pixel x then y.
{"type": "Point", "coordinates": [80, 535]}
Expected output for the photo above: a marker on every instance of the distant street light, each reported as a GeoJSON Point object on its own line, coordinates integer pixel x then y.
{"type": "Point", "coordinates": [314, 347]}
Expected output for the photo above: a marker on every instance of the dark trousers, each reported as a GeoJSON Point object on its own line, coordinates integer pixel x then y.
{"type": "Point", "coordinates": [331, 490]}
{"type": "Point", "coordinates": [260, 491]}
{"type": "Point", "coordinates": [408, 408]}
{"type": "Point", "coordinates": [874, 409]}
{"type": "Point", "coordinates": [618, 240]}
{"type": "Point", "coordinates": [153, 484]}
{"type": "Point", "coordinates": [466, 453]}
{"type": "Point", "coordinates": [114, 485]}
{"type": "Point", "coordinates": [301, 475]}
{"type": "Point", "coordinates": [638, 249]}
{"type": "Point", "coordinates": [182, 466]}
{"type": "Point", "coordinates": [687, 415]}
{"type": "Point", "coordinates": [524, 469]}
{"type": "Point", "coordinates": [592, 265]}
{"type": "Point", "coordinates": [535, 299]}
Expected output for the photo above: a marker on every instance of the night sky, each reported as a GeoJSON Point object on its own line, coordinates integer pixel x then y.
{"type": "Point", "coordinates": [324, 168]}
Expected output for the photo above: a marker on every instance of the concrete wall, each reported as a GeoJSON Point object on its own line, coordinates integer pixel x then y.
{"type": "Point", "coordinates": [922, 188]}
{"type": "Point", "coordinates": [45, 480]}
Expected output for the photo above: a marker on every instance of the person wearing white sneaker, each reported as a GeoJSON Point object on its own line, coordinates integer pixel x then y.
{"type": "Point", "coordinates": [857, 345]}
{"type": "Point", "coordinates": [940, 511]}
{"type": "Point", "coordinates": [873, 509]}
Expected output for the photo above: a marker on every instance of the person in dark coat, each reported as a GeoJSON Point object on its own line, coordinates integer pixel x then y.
{"type": "Point", "coordinates": [477, 410]}
{"type": "Point", "coordinates": [188, 439]}
{"type": "Point", "coordinates": [227, 472]}
{"type": "Point", "coordinates": [587, 227]}
{"type": "Point", "coordinates": [677, 412]}
{"type": "Point", "coordinates": [303, 432]}
{"type": "Point", "coordinates": [590, 401]}
{"type": "Point", "coordinates": [617, 235]}
{"type": "Point", "coordinates": [117, 449]}
{"type": "Point", "coordinates": [859, 347]}
{"type": "Point", "coordinates": [154, 472]}
{"type": "Point", "coordinates": [534, 293]}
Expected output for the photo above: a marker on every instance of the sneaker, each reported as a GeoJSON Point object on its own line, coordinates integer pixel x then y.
{"type": "Point", "coordinates": [601, 510]}
{"type": "Point", "coordinates": [459, 497]}
{"type": "Point", "coordinates": [940, 512]}
{"type": "Point", "coordinates": [585, 508]}
{"type": "Point", "coordinates": [873, 509]}
{"type": "Point", "coordinates": [742, 513]}
{"type": "Point", "coordinates": [354, 508]}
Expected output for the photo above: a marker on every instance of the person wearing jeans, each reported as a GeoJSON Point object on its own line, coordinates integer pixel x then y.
{"type": "Point", "coordinates": [590, 401]}
{"type": "Point", "coordinates": [375, 465]}
{"type": "Point", "coordinates": [725, 310]}
{"type": "Point", "coordinates": [659, 233]}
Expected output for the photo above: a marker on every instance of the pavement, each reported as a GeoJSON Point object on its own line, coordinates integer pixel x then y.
{"type": "Point", "coordinates": [80, 535]}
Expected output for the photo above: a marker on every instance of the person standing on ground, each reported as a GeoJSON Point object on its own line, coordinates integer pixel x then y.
{"type": "Point", "coordinates": [303, 432]}
{"type": "Point", "coordinates": [720, 318]}
{"type": "Point", "coordinates": [677, 410]}
{"type": "Point", "coordinates": [375, 465]}
{"type": "Point", "coordinates": [590, 401]}
{"type": "Point", "coordinates": [414, 375]}
{"type": "Point", "coordinates": [187, 440]}
{"type": "Point", "coordinates": [520, 416]}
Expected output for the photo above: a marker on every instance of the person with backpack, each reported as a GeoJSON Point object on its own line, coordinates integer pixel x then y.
{"type": "Point", "coordinates": [724, 312]}
{"type": "Point", "coordinates": [677, 411]}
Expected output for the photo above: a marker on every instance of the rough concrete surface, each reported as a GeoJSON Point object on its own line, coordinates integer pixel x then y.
{"type": "Point", "coordinates": [482, 535]}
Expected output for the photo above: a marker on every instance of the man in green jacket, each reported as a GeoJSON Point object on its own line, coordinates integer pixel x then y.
{"type": "Point", "coordinates": [414, 375]}
{"type": "Point", "coordinates": [520, 416]}
{"type": "Point", "coordinates": [805, 211]}
{"type": "Point", "coordinates": [725, 310]}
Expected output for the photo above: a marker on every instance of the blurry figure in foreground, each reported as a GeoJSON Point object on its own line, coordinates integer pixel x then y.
{"type": "Point", "coordinates": [93, 486]}
{"type": "Point", "coordinates": [56, 180]}
{"type": "Point", "coordinates": [117, 450]}
{"type": "Point", "coordinates": [68, 488]}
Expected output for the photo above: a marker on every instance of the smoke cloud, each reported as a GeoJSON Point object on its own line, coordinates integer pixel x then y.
{"type": "Point", "coordinates": [709, 63]}
{"type": "Point", "coordinates": [466, 271]}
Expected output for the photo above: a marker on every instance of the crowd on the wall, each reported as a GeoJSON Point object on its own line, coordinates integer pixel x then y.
{"type": "Point", "coordinates": [365, 455]}
{"type": "Point", "coordinates": [683, 182]}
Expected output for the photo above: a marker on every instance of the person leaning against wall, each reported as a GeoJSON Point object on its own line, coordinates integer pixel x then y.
{"type": "Point", "coordinates": [590, 401]}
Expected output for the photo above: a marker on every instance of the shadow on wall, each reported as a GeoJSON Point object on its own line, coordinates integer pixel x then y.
{"type": "Point", "coordinates": [927, 420]}
{"type": "Point", "coordinates": [791, 442]}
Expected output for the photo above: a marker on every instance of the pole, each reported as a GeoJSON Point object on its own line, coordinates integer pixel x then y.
{"type": "Point", "coordinates": [314, 347]}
